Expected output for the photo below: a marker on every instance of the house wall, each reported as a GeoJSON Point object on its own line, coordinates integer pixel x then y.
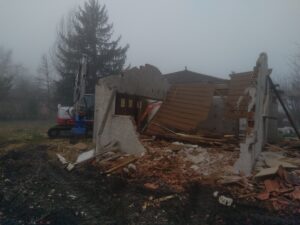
{"type": "Point", "coordinates": [145, 81]}
{"type": "Point", "coordinates": [260, 100]}
{"type": "Point", "coordinates": [109, 127]}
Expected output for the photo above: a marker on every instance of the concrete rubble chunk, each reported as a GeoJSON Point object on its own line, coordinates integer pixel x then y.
{"type": "Point", "coordinates": [61, 159]}
{"type": "Point", "coordinates": [278, 162]}
{"type": "Point", "coordinates": [85, 156]}
{"type": "Point", "coordinates": [267, 172]}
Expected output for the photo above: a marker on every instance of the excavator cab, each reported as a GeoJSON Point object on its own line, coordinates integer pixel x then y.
{"type": "Point", "coordinates": [66, 119]}
{"type": "Point", "coordinates": [78, 119]}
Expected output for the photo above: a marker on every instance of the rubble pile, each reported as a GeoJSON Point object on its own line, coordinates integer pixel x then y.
{"type": "Point", "coordinates": [161, 167]}
{"type": "Point", "coordinates": [172, 165]}
{"type": "Point", "coordinates": [275, 180]}
{"type": "Point", "coordinates": [209, 162]}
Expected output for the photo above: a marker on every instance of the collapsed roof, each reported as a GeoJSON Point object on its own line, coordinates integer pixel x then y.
{"type": "Point", "coordinates": [189, 100]}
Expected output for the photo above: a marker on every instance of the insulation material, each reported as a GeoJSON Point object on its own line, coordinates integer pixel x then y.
{"type": "Point", "coordinates": [186, 105]}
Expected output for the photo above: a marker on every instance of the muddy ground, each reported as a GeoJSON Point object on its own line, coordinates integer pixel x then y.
{"type": "Point", "coordinates": [36, 189]}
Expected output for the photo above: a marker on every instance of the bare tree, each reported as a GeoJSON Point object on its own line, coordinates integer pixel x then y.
{"type": "Point", "coordinates": [290, 85]}
{"type": "Point", "coordinates": [45, 78]}
{"type": "Point", "coordinates": [6, 72]}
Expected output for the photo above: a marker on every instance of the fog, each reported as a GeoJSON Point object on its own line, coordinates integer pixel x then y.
{"type": "Point", "coordinates": [213, 37]}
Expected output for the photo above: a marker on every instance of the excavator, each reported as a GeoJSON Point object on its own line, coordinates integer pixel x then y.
{"type": "Point", "coordinates": [76, 120]}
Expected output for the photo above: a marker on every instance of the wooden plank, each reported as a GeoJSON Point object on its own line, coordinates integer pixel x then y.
{"type": "Point", "coordinates": [121, 165]}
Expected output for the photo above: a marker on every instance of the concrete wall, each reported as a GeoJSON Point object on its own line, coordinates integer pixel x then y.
{"type": "Point", "coordinates": [110, 128]}
{"type": "Point", "coordinates": [146, 81]}
{"type": "Point", "coordinates": [260, 105]}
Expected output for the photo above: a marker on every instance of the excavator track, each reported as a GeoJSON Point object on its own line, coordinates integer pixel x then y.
{"type": "Point", "coordinates": [64, 131]}
{"type": "Point", "coordinates": [59, 131]}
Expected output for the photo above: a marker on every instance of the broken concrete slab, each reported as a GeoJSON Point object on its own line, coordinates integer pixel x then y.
{"type": "Point", "coordinates": [85, 156]}
{"type": "Point", "coordinates": [61, 159]}
{"type": "Point", "coordinates": [267, 172]}
{"type": "Point", "coordinates": [278, 162]}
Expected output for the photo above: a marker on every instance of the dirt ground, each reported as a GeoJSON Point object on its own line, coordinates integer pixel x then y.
{"type": "Point", "coordinates": [36, 189]}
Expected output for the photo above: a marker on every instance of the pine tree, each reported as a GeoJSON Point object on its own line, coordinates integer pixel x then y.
{"type": "Point", "coordinates": [88, 32]}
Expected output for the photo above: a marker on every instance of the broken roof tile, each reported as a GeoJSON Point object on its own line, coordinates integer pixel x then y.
{"type": "Point", "coordinates": [271, 185]}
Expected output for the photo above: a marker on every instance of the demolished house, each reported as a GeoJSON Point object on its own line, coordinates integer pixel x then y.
{"type": "Point", "coordinates": [170, 131]}
{"type": "Point", "coordinates": [186, 107]}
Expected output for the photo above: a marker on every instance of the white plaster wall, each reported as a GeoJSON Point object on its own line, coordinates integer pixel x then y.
{"type": "Point", "coordinates": [145, 81]}
{"type": "Point", "coordinates": [115, 127]}
{"type": "Point", "coordinates": [122, 129]}
{"type": "Point", "coordinates": [253, 144]}
{"type": "Point", "coordinates": [102, 96]}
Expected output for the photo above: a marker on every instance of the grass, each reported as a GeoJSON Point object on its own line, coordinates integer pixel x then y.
{"type": "Point", "coordinates": [24, 131]}
{"type": "Point", "coordinates": [20, 134]}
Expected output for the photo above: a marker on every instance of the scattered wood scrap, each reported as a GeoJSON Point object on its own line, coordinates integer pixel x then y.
{"type": "Point", "coordinates": [122, 164]}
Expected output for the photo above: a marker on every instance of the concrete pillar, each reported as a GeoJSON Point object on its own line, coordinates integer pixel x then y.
{"type": "Point", "coordinates": [259, 104]}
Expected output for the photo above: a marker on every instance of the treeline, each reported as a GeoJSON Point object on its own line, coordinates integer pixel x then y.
{"type": "Point", "coordinates": [87, 31]}
{"type": "Point", "coordinates": [23, 96]}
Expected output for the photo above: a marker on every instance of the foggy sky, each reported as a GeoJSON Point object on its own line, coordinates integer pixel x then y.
{"type": "Point", "coordinates": [213, 37]}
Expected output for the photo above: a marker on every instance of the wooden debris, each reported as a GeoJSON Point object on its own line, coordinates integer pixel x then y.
{"type": "Point", "coordinates": [275, 147]}
{"type": "Point", "coordinates": [247, 195]}
{"type": "Point", "coordinates": [127, 161]}
{"type": "Point", "coordinates": [156, 202]}
{"type": "Point", "coordinates": [80, 146]}
{"type": "Point", "coordinates": [230, 179]}
{"type": "Point", "coordinates": [151, 186]}
{"type": "Point", "coordinates": [110, 158]}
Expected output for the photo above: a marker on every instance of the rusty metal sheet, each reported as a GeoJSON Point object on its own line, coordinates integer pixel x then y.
{"type": "Point", "coordinates": [237, 86]}
{"type": "Point", "coordinates": [186, 105]}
